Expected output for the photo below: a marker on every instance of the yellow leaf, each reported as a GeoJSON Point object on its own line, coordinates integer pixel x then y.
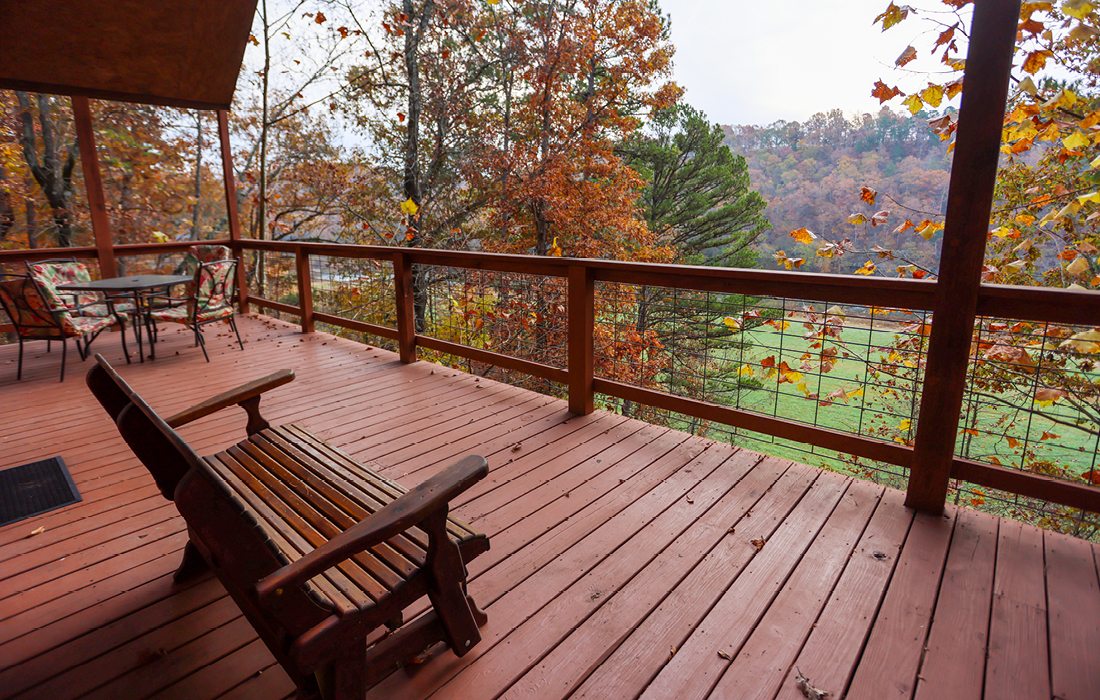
{"type": "Point", "coordinates": [856, 219]}
{"type": "Point", "coordinates": [1075, 141]}
{"type": "Point", "coordinates": [928, 228]}
{"type": "Point", "coordinates": [732, 323]}
{"type": "Point", "coordinates": [1005, 232]}
{"type": "Point", "coordinates": [905, 424]}
{"type": "Point", "coordinates": [892, 15]}
{"type": "Point", "coordinates": [1093, 197]}
{"type": "Point", "coordinates": [410, 207]}
{"type": "Point", "coordinates": [1078, 9]}
{"type": "Point", "coordinates": [159, 237]}
{"type": "Point", "coordinates": [854, 393]}
{"type": "Point", "coordinates": [1027, 86]}
{"type": "Point", "coordinates": [932, 95]}
{"type": "Point", "coordinates": [914, 103]}
{"type": "Point", "coordinates": [868, 268]}
{"type": "Point", "coordinates": [745, 371]}
{"type": "Point", "coordinates": [1087, 342]}
{"type": "Point", "coordinates": [826, 251]}
{"type": "Point", "coordinates": [1079, 266]}
{"type": "Point", "coordinates": [555, 249]}
{"type": "Point", "coordinates": [803, 235]}
{"type": "Point", "coordinates": [1025, 219]}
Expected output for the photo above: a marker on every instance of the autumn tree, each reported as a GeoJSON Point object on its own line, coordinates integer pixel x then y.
{"type": "Point", "coordinates": [581, 76]}
{"type": "Point", "coordinates": [49, 150]}
{"type": "Point", "coordinates": [1033, 397]}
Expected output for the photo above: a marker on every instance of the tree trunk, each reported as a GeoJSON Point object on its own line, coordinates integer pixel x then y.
{"type": "Point", "coordinates": [198, 177]}
{"type": "Point", "coordinates": [53, 173]}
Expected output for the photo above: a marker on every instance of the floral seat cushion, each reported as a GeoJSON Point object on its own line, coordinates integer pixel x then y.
{"type": "Point", "coordinates": [182, 314]}
{"type": "Point", "coordinates": [52, 274]}
{"type": "Point", "coordinates": [91, 324]}
{"type": "Point", "coordinates": [100, 310]}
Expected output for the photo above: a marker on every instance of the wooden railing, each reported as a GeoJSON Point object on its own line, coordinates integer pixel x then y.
{"type": "Point", "coordinates": [1022, 303]}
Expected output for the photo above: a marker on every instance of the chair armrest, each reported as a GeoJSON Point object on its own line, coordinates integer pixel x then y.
{"type": "Point", "coordinates": [411, 509]}
{"type": "Point", "coordinates": [243, 393]}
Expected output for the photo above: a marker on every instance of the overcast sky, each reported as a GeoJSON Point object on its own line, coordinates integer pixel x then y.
{"type": "Point", "coordinates": [753, 62]}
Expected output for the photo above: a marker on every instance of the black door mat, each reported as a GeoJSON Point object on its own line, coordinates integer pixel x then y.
{"type": "Point", "coordinates": [35, 488]}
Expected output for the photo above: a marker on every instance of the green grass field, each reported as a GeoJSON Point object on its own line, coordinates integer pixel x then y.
{"type": "Point", "coordinates": [1011, 435]}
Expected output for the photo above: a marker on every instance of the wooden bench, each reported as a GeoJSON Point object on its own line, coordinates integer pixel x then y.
{"type": "Point", "coordinates": [318, 550]}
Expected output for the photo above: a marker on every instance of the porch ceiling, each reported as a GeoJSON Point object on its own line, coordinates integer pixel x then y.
{"type": "Point", "coordinates": [182, 53]}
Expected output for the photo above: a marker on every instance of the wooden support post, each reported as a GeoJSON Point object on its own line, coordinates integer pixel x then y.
{"type": "Point", "coordinates": [406, 314]}
{"type": "Point", "coordinates": [581, 306]}
{"type": "Point", "coordinates": [969, 202]}
{"type": "Point", "coordinates": [305, 288]}
{"type": "Point", "coordinates": [231, 206]}
{"type": "Point", "coordinates": [93, 183]}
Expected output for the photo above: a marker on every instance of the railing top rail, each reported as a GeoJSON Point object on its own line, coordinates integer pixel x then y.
{"type": "Point", "coordinates": [10, 256]}
{"type": "Point", "coordinates": [1008, 301]}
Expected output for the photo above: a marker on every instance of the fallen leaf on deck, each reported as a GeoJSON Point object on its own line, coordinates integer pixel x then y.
{"type": "Point", "coordinates": [38, 530]}
{"type": "Point", "coordinates": [725, 656]}
{"type": "Point", "coordinates": [807, 688]}
{"type": "Point", "coordinates": [758, 543]}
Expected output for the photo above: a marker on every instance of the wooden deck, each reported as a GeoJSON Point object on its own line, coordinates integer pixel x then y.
{"type": "Point", "coordinates": [627, 559]}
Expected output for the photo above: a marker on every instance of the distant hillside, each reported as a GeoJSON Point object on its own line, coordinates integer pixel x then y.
{"type": "Point", "coordinates": [811, 173]}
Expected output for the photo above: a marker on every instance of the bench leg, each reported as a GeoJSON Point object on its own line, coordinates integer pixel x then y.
{"type": "Point", "coordinates": [192, 565]}
{"type": "Point", "coordinates": [447, 587]}
{"type": "Point", "coordinates": [346, 676]}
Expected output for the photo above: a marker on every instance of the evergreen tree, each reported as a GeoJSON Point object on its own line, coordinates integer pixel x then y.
{"type": "Point", "coordinates": [698, 202]}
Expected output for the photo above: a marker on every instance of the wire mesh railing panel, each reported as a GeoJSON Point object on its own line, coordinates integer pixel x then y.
{"type": "Point", "coordinates": [519, 315]}
{"type": "Point", "coordinates": [358, 289]}
{"type": "Point", "coordinates": [273, 276]}
{"type": "Point", "coordinates": [1032, 403]}
{"type": "Point", "coordinates": [854, 369]}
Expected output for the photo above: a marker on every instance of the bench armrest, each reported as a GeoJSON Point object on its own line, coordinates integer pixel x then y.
{"type": "Point", "coordinates": [241, 395]}
{"type": "Point", "coordinates": [423, 501]}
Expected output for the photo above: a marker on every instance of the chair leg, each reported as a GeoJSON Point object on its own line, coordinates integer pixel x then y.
{"type": "Point", "coordinates": [49, 345]}
{"type": "Point", "coordinates": [125, 349]}
{"type": "Point", "coordinates": [19, 367]}
{"type": "Point", "coordinates": [64, 353]}
{"type": "Point", "coordinates": [202, 341]}
{"type": "Point", "coordinates": [192, 565]}
{"type": "Point", "coordinates": [233, 325]}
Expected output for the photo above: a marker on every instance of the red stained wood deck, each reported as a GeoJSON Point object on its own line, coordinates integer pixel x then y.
{"type": "Point", "coordinates": [627, 559]}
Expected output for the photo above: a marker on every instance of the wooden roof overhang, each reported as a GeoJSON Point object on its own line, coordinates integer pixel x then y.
{"type": "Point", "coordinates": [179, 53]}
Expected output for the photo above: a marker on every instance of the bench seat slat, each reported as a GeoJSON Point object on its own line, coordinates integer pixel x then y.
{"type": "Point", "coordinates": [391, 487]}
{"type": "Point", "coordinates": [295, 485]}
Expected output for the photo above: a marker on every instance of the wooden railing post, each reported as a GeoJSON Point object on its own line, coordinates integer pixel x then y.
{"type": "Point", "coordinates": [305, 288]}
{"type": "Point", "coordinates": [232, 215]}
{"type": "Point", "coordinates": [969, 202]}
{"type": "Point", "coordinates": [406, 315]}
{"type": "Point", "coordinates": [581, 307]}
{"type": "Point", "coordinates": [93, 184]}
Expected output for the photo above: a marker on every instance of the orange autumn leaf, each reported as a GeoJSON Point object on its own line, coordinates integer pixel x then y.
{"type": "Point", "coordinates": [970, 431]}
{"type": "Point", "coordinates": [1013, 442]}
{"type": "Point", "coordinates": [907, 56]}
{"type": "Point", "coordinates": [768, 361]}
{"type": "Point", "coordinates": [1036, 60]}
{"type": "Point", "coordinates": [803, 235]}
{"type": "Point", "coordinates": [868, 195]}
{"type": "Point", "coordinates": [1047, 435]}
{"type": "Point", "coordinates": [319, 18]}
{"type": "Point", "coordinates": [884, 92]}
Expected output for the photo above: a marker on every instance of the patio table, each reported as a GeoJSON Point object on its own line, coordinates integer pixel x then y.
{"type": "Point", "coordinates": [136, 287]}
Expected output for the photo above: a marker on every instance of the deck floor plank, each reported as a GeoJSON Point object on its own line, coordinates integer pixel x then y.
{"type": "Point", "coordinates": [621, 558]}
